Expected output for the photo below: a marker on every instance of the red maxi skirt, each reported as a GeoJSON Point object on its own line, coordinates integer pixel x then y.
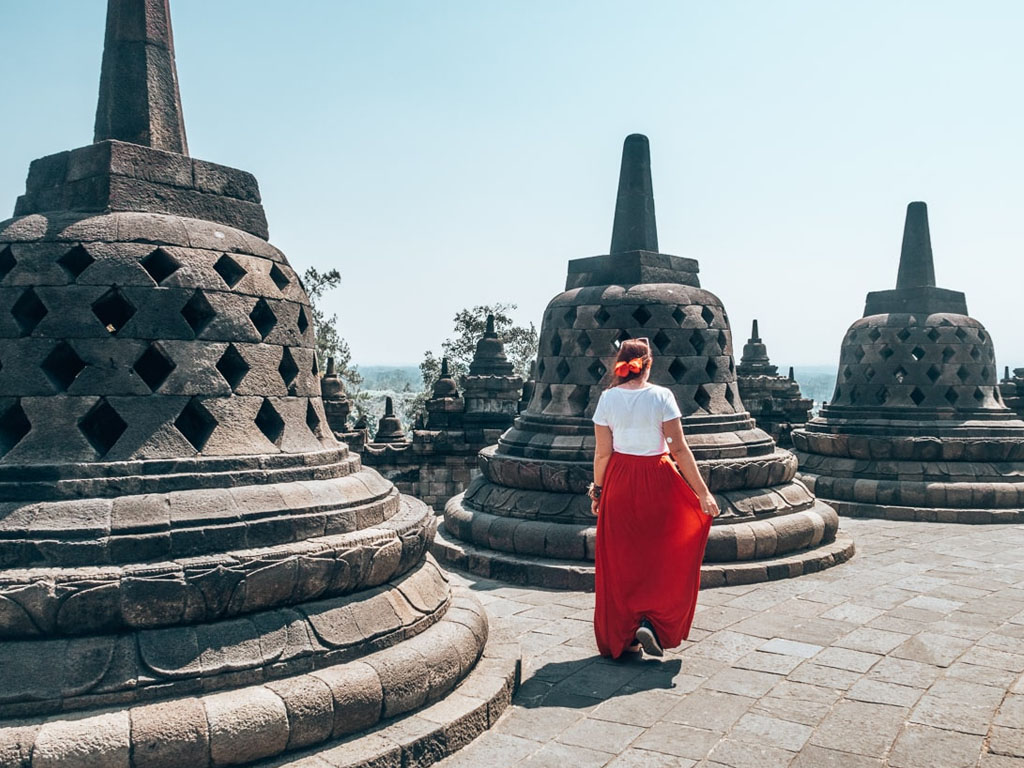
{"type": "Point", "coordinates": [651, 536]}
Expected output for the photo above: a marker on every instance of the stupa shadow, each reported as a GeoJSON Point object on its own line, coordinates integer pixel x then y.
{"type": "Point", "coordinates": [582, 682]}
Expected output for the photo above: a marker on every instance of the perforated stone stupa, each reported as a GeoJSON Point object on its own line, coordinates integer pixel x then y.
{"type": "Point", "coordinates": [526, 519]}
{"type": "Point", "coordinates": [193, 572]}
{"type": "Point", "coordinates": [774, 401]}
{"type": "Point", "coordinates": [917, 429]}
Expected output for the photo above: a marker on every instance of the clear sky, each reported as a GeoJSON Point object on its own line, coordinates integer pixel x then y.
{"type": "Point", "coordinates": [443, 154]}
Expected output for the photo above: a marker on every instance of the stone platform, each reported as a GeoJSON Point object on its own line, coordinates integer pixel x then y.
{"type": "Point", "coordinates": [910, 655]}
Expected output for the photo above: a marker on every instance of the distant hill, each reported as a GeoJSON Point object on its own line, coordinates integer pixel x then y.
{"type": "Point", "coordinates": [390, 377]}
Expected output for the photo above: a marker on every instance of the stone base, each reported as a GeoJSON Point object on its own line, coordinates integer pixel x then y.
{"type": "Point", "coordinates": [430, 734]}
{"type": "Point", "coordinates": [442, 667]}
{"type": "Point", "coordinates": [577, 575]}
{"type": "Point", "coordinates": [927, 515]}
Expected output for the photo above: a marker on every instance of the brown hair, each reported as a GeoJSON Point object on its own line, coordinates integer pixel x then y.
{"type": "Point", "coordinates": [629, 350]}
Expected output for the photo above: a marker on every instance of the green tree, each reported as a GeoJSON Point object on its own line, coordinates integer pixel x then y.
{"type": "Point", "coordinates": [468, 328]}
{"type": "Point", "coordinates": [329, 342]}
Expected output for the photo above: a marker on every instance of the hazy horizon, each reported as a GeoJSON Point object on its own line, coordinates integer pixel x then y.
{"type": "Point", "coordinates": [450, 154]}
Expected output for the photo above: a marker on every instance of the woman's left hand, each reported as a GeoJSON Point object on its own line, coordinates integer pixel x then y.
{"type": "Point", "coordinates": [709, 506]}
{"type": "Point", "coordinates": [593, 507]}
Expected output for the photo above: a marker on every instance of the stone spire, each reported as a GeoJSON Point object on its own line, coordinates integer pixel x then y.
{"type": "Point", "coordinates": [917, 268]}
{"type": "Point", "coordinates": [635, 228]}
{"type": "Point", "coordinates": [445, 384]}
{"type": "Point", "coordinates": [337, 406]}
{"type": "Point", "coordinates": [139, 102]}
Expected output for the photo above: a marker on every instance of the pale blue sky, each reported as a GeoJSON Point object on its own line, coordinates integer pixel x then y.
{"type": "Point", "coordinates": [444, 154]}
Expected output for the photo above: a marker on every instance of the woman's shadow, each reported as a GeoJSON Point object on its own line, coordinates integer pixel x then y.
{"type": "Point", "coordinates": [582, 683]}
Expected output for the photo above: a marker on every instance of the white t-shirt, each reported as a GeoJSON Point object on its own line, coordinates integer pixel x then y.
{"type": "Point", "coordinates": [635, 417]}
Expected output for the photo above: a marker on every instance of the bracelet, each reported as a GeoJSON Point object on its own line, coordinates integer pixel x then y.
{"type": "Point", "coordinates": [594, 492]}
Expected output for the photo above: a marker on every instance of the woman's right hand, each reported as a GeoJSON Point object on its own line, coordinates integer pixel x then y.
{"type": "Point", "coordinates": [593, 507]}
{"type": "Point", "coordinates": [708, 505]}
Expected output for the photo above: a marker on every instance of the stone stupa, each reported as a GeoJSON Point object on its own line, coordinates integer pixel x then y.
{"type": "Point", "coordinates": [527, 518]}
{"type": "Point", "coordinates": [193, 572]}
{"type": "Point", "coordinates": [916, 428]}
{"type": "Point", "coordinates": [774, 401]}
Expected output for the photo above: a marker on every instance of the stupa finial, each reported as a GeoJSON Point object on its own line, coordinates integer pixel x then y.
{"type": "Point", "coordinates": [139, 100]}
{"type": "Point", "coordinates": [917, 269]}
{"type": "Point", "coordinates": [635, 227]}
{"type": "Point", "coordinates": [444, 368]}
{"type": "Point", "coordinates": [490, 327]}
{"type": "Point", "coordinates": [792, 374]}
{"type": "Point", "coordinates": [389, 407]}
{"type": "Point", "coordinates": [754, 336]}
{"type": "Point", "coordinates": [330, 366]}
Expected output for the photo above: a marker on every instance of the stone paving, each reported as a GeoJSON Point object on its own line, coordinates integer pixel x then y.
{"type": "Point", "coordinates": [911, 655]}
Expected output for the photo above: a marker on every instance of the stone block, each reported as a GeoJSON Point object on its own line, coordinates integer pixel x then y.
{"type": "Point", "coordinates": [246, 725]}
{"type": "Point", "coordinates": [170, 734]}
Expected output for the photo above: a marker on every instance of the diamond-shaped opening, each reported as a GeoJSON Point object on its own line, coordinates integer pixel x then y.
{"type": "Point", "coordinates": [975, 353]}
{"type": "Point", "coordinates": [917, 396]}
{"type": "Point", "coordinates": [708, 315]}
{"type": "Point", "coordinates": [859, 353]}
{"type": "Point", "coordinates": [279, 277]}
{"type": "Point", "coordinates": [677, 370]}
{"type": "Point", "coordinates": [981, 336]}
{"type": "Point", "coordinates": [985, 373]}
{"type": "Point", "coordinates": [847, 373]}
{"type": "Point", "coordinates": [933, 373]}
{"type": "Point", "coordinates": [883, 395]}
{"type": "Point", "coordinates": [315, 369]}
{"type": "Point", "coordinates": [195, 423]}
{"type": "Point", "coordinates": [28, 312]}
{"type": "Point", "coordinates": [702, 398]}
{"type": "Point", "coordinates": [711, 368]}
{"type": "Point", "coordinates": [562, 369]}
{"type": "Point", "coordinates": [947, 354]}
{"type": "Point", "coordinates": [62, 366]}
{"type": "Point", "coordinates": [946, 322]}
{"type": "Point", "coordinates": [76, 261]}
{"type": "Point", "coordinates": [102, 427]}
{"type": "Point", "coordinates": [602, 316]}
{"type": "Point", "coordinates": [887, 352]}
{"type": "Point", "coordinates": [903, 335]}
{"type": "Point", "coordinates": [154, 366]}
{"type": "Point", "coordinates": [556, 344]}
{"type": "Point", "coordinates": [730, 396]}
{"type": "Point", "coordinates": [232, 367]}
{"type": "Point", "coordinates": [269, 422]}
{"type": "Point", "coordinates": [917, 353]}
{"type": "Point", "coordinates": [14, 425]}
{"type": "Point", "coordinates": [623, 336]}
{"type": "Point", "coordinates": [661, 341]}
{"type": "Point", "coordinates": [697, 341]}
{"type": "Point", "coordinates": [198, 313]}
{"type": "Point", "coordinates": [263, 318]}
{"type": "Point", "coordinates": [541, 365]}
{"type": "Point", "coordinates": [597, 370]}
{"type": "Point", "coordinates": [583, 341]}
{"type": "Point", "coordinates": [7, 262]}
{"type": "Point", "coordinates": [303, 320]}
{"type": "Point", "coordinates": [569, 318]}
{"type": "Point", "coordinates": [961, 334]}
{"type": "Point", "coordinates": [869, 373]}
{"type": "Point", "coordinates": [963, 374]}
{"type": "Point", "coordinates": [230, 271]}
{"type": "Point", "coordinates": [723, 341]}
{"type": "Point", "coordinates": [678, 315]}
{"type": "Point", "coordinates": [113, 310]}
{"type": "Point", "coordinates": [900, 374]}
{"type": "Point", "coordinates": [952, 396]}
{"type": "Point", "coordinates": [160, 265]}
{"type": "Point", "coordinates": [579, 398]}
{"type": "Point", "coordinates": [288, 368]}
{"type": "Point", "coordinates": [874, 334]}
{"type": "Point", "coordinates": [979, 395]}
{"type": "Point", "coordinates": [642, 314]}
{"type": "Point", "coordinates": [838, 394]}
{"type": "Point", "coordinates": [545, 397]}
{"type": "Point", "coordinates": [933, 334]}
{"type": "Point", "coordinates": [312, 418]}
{"type": "Point", "coordinates": [854, 394]}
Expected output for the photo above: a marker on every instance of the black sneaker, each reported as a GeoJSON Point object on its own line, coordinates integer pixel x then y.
{"type": "Point", "coordinates": [648, 639]}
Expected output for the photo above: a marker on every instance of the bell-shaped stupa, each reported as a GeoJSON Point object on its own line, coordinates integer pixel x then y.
{"type": "Point", "coordinates": [917, 429]}
{"type": "Point", "coordinates": [527, 518]}
{"type": "Point", "coordinates": [774, 401]}
{"type": "Point", "coordinates": [193, 571]}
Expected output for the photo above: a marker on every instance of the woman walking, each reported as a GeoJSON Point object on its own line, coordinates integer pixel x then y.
{"type": "Point", "coordinates": [654, 513]}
